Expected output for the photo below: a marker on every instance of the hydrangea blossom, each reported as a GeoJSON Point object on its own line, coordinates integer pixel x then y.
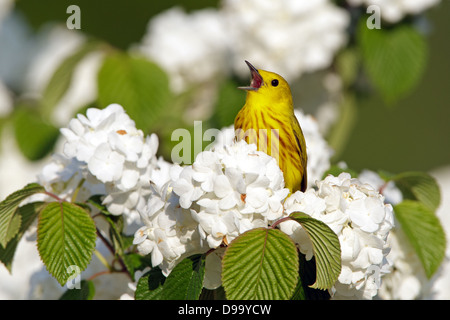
{"type": "Point", "coordinates": [289, 37]}
{"type": "Point", "coordinates": [169, 233]}
{"type": "Point", "coordinates": [225, 192]}
{"type": "Point", "coordinates": [104, 154]}
{"type": "Point", "coordinates": [389, 190]}
{"type": "Point", "coordinates": [357, 213]}
{"type": "Point", "coordinates": [296, 37]}
{"type": "Point", "coordinates": [406, 279]}
{"type": "Point", "coordinates": [394, 10]}
{"type": "Point", "coordinates": [64, 176]}
{"type": "Point", "coordinates": [237, 187]}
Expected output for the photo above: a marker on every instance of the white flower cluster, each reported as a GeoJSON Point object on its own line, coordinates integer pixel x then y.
{"type": "Point", "coordinates": [358, 215]}
{"type": "Point", "coordinates": [64, 176]}
{"type": "Point", "coordinates": [290, 37]}
{"type": "Point", "coordinates": [225, 192]}
{"type": "Point", "coordinates": [287, 36]}
{"type": "Point", "coordinates": [228, 190]}
{"type": "Point", "coordinates": [389, 190]}
{"type": "Point", "coordinates": [169, 233]}
{"type": "Point", "coordinates": [104, 154]}
{"type": "Point", "coordinates": [406, 279]}
{"type": "Point", "coordinates": [394, 10]}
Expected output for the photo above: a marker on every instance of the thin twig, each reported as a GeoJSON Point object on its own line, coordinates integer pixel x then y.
{"type": "Point", "coordinates": [54, 196]}
{"type": "Point", "coordinates": [95, 275]}
{"type": "Point", "coordinates": [113, 252]}
{"type": "Point", "coordinates": [279, 221]}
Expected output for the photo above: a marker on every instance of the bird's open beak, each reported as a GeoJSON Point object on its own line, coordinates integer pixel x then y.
{"type": "Point", "coordinates": [257, 80]}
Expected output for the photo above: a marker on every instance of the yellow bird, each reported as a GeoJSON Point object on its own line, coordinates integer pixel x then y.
{"type": "Point", "coordinates": [267, 119]}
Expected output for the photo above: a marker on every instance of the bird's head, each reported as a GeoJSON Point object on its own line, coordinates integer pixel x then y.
{"type": "Point", "coordinates": [267, 87]}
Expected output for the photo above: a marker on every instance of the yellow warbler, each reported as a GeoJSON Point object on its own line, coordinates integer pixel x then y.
{"type": "Point", "coordinates": [267, 119]}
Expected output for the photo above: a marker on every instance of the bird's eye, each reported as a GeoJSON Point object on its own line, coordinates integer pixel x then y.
{"type": "Point", "coordinates": [274, 82]}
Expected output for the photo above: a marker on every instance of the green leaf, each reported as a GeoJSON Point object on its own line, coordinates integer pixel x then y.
{"type": "Point", "coordinates": [35, 136]}
{"type": "Point", "coordinates": [307, 271]}
{"type": "Point", "coordinates": [62, 78]}
{"type": "Point", "coordinates": [116, 224]}
{"type": "Point", "coordinates": [137, 84]}
{"type": "Point", "coordinates": [394, 58]}
{"type": "Point", "coordinates": [424, 232]}
{"type": "Point", "coordinates": [150, 285]}
{"type": "Point", "coordinates": [185, 282]}
{"type": "Point", "coordinates": [260, 264]}
{"type": "Point", "coordinates": [66, 237]}
{"type": "Point", "coordinates": [214, 294]}
{"type": "Point", "coordinates": [96, 202]}
{"type": "Point", "coordinates": [86, 291]}
{"type": "Point", "coordinates": [419, 186]}
{"type": "Point", "coordinates": [9, 221]}
{"type": "Point", "coordinates": [134, 262]}
{"type": "Point", "coordinates": [327, 250]}
{"type": "Point", "coordinates": [28, 214]}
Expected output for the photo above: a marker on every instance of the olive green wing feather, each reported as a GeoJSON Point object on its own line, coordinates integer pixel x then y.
{"type": "Point", "coordinates": [302, 150]}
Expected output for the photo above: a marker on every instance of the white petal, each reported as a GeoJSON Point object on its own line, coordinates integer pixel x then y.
{"type": "Point", "coordinates": [256, 197]}
{"type": "Point", "coordinates": [157, 257]}
{"type": "Point", "coordinates": [129, 179]}
{"type": "Point", "coordinates": [181, 186]}
{"type": "Point", "coordinates": [222, 186]}
{"type": "Point", "coordinates": [228, 202]}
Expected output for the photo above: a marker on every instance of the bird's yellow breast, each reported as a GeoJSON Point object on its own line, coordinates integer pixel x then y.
{"type": "Point", "coordinates": [267, 119]}
{"type": "Point", "coordinates": [273, 134]}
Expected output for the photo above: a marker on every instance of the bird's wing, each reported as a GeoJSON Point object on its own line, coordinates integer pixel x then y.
{"type": "Point", "coordinates": [302, 150]}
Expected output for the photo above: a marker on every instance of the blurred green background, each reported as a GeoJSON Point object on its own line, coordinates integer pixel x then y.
{"type": "Point", "coordinates": [411, 135]}
{"type": "Point", "coordinates": [415, 134]}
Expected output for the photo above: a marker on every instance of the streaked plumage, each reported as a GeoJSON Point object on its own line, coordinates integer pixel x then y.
{"type": "Point", "coordinates": [269, 106]}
